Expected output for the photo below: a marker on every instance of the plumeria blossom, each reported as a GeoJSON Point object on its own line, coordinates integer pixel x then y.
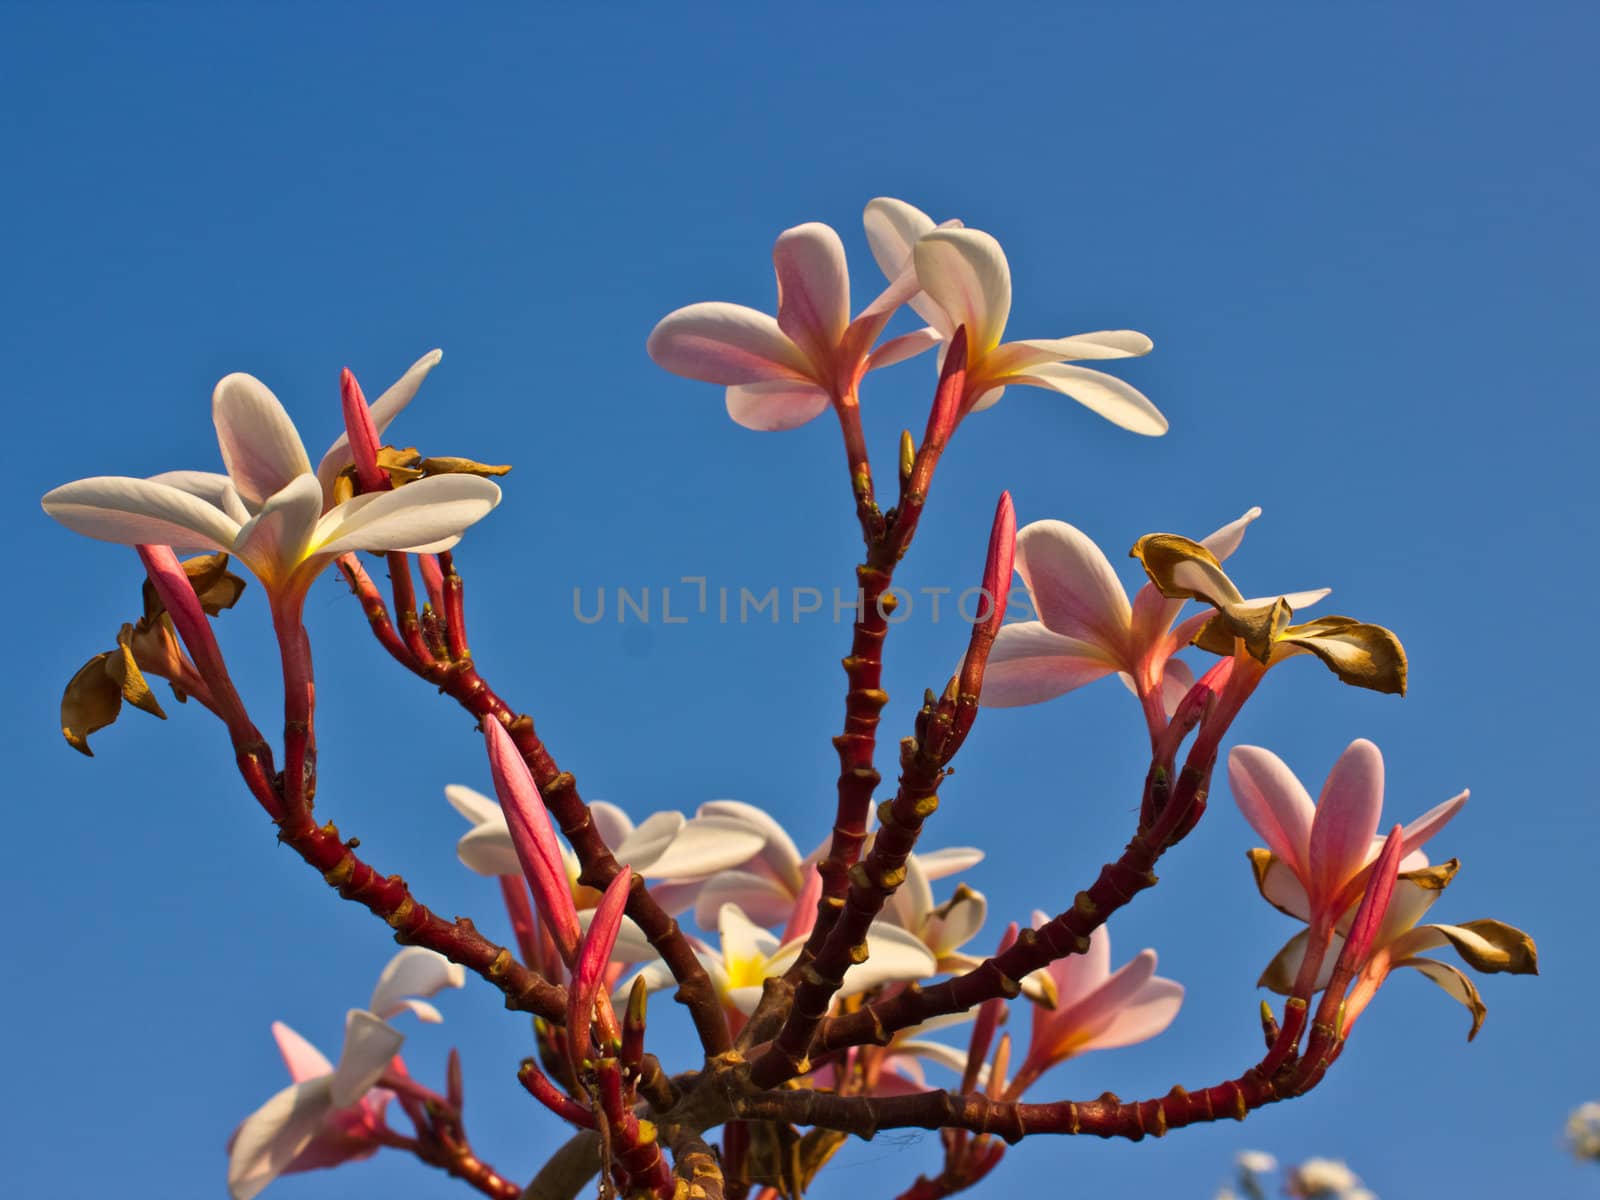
{"type": "Point", "coordinates": [271, 510]}
{"type": "Point", "coordinates": [335, 1114]}
{"type": "Point", "coordinates": [1087, 628]}
{"type": "Point", "coordinates": [1096, 1008]}
{"type": "Point", "coordinates": [1487, 946]}
{"type": "Point", "coordinates": [750, 954]}
{"type": "Point", "coordinates": [895, 1069]}
{"type": "Point", "coordinates": [768, 885]}
{"type": "Point", "coordinates": [965, 280]}
{"type": "Point", "coordinates": [783, 371]}
{"type": "Point", "coordinates": [1259, 631]}
{"type": "Point", "coordinates": [680, 852]}
{"type": "Point", "coordinates": [1315, 867]}
{"type": "Point", "coordinates": [944, 928]}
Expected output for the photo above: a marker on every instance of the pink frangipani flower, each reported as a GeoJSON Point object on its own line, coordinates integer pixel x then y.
{"type": "Point", "coordinates": [783, 371]}
{"type": "Point", "coordinates": [1096, 1008]}
{"type": "Point", "coordinates": [1086, 627]}
{"type": "Point", "coordinates": [1319, 853]}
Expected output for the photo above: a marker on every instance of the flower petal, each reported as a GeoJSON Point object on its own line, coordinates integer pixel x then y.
{"type": "Point", "coordinates": [778, 852]}
{"type": "Point", "coordinates": [649, 840]}
{"type": "Point", "coordinates": [1096, 1010]}
{"type": "Point", "coordinates": [1226, 540]}
{"type": "Point", "coordinates": [473, 805]}
{"type": "Point", "coordinates": [489, 850]}
{"type": "Point", "coordinates": [893, 955]}
{"type": "Point", "coordinates": [415, 971]}
{"type": "Point", "coordinates": [270, 1138]}
{"type": "Point", "coordinates": [1078, 975]}
{"type": "Point", "coordinates": [907, 345]}
{"type": "Point", "coordinates": [965, 273]}
{"type": "Point", "coordinates": [1073, 587]}
{"type": "Point", "coordinates": [631, 945]}
{"type": "Point", "coordinates": [260, 445]}
{"type": "Point", "coordinates": [893, 228]}
{"type": "Point", "coordinates": [1029, 664]}
{"type": "Point", "coordinates": [726, 343]}
{"type": "Point", "coordinates": [776, 405]}
{"type": "Point", "coordinates": [277, 537]}
{"type": "Point", "coordinates": [764, 899]}
{"type": "Point", "coordinates": [1147, 1014]}
{"type": "Point", "coordinates": [742, 939]}
{"type": "Point", "coordinates": [1120, 403]}
{"type": "Point", "coordinates": [369, 1044]}
{"type": "Point", "coordinates": [705, 845]}
{"type": "Point", "coordinates": [1275, 803]}
{"type": "Point", "coordinates": [1417, 832]}
{"type": "Point", "coordinates": [437, 507]}
{"type": "Point", "coordinates": [383, 410]}
{"type": "Point", "coordinates": [216, 490]}
{"type": "Point", "coordinates": [1016, 357]}
{"type": "Point", "coordinates": [1346, 820]}
{"type": "Point", "coordinates": [611, 822]}
{"type": "Point", "coordinates": [135, 512]}
{"type": "Point", "coordinates": [303, 1059]}
{"type": "Point", "coordinates": [813, 289]}
{"type": "Point", "coordinates": [1456, 985]}
{"type": "Point", "coordinates": [911, 904]}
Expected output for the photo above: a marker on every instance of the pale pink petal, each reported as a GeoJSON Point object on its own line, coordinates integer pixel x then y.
{"type": "Point", "coordinates": [271, 1137]}
{"type": "Point", "coordinates": [137, 512]}
{"type": "Point", "coordinates": [766, 901]}
{"type": "Point", "coordinates": [907, 345]}
{"type": "Point", "coordinates": [893, 227]}
{"type": "Point", "coordinates": [706, 845]}
{"type": "Point", "coordinates": [1226, 540]}
{"type": "Point", "coordinates": [369, 1044]}
{"type": "Point", "coordinates": [1120, 403]}
{"type": "Point", "coordinates": [948, 1057]}
{"type": "Point", "coordinates": [1147, 1014]}
{"type": "Point", "coordinates": [813, 288]}
{"type": "Point", "coordinates": [1016, 357]}
{"type": "Point", "coordinates": [1176, 680]}
{"type": "Point", "coordinates": [1346, 819]}
{"type": "Point", "coordinates": [965, 273]}
{"type": "Point", "coordinates": [1029, 664]}
{"type": "Point", "coordinates": [303, 1059]}
{"type": "Point", "coordinates": [649, 840]}
{"type": "Point", "coordinates": [415, 971]}
{"type": "Point", "coordinates": [383, 410]}
{"type": "Point", "coordinates": [216, 490]}
{"type": "Point", "coordinates": [421, 512]}
{"type": "Point", "coordinates": [1073, 587]}
{"type": "Point", "coordinates": [777, 405]}
{"type": "Point", "coordinates": [260, 446]}
{"type": "Point", "coordinates": [1095, 1010]}
{"type": "Point", "coordinates": [1299, 600]}
{"type": "Point", "coordinates": [277, 537]}
{"type": "Point", "coordinates": [989, 399]}
{"type": "Point", "coordinates": [727, 344]}
{"type": "Point", "coordinates": [1417, 832]}
{"type": "Point", "coordinates": [1409, 904]}
{"type": "Point", "coordinates": [474, 806]}
{"type": "Point", "coordinates": [1284, 969]}
{"type": "Point", "coordinates": [533, 836]}
{"type": "Point", "coordinates": [1275, 803]}
{"type": "Point", "coordinates": [593, 957]}
{"type": "Point", "coordinates": [1079, 975]}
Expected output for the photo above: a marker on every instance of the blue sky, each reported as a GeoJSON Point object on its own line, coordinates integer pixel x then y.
{"type": "Point", "coordinates": [1362, 240]}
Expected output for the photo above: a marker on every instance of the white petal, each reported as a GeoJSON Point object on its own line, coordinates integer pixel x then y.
{"type": "Point", "coordinates": [946, 1056]}
{"type": "Point", "coordinates": [779, 852]}
{"type": "Point", "coordinates": [415, 971]}
{"type": "Point", "coordinates": [727, 344]}
{"type": "Point", "coordinates": [271, 1136]}
{"type": "Point", "coordinates": [489, 850]}
{"type": "Point", "coordinates": [762, 898]}
{"type": "Point", "coordinates": [474, 806]}
{"type": "Point", "coordinates": [424, 511]}
{"type": "Point", "coordinates": [938, 864]}
{"type": "Point", "coordinates": [961, 923]}
{"type": "Point", "coordinates": [610, 822]}
{"type": "Point", "coordinates": [907, 345]}
{"type": "Point", "coordinates": [1275, 803]}
{"type": "Point", "coordinates": [706, 845]}
{"type": "Point", "coordinates": [260, 446]}
{"type": "Point", "coordinates": [369, 1044]}
{"type": "Point", "coordinates": [277, 537]}
{"type": "Point", "coordinates": [650, 840]}
{"type": "Point", "coordinates": [965, 272]}
{"type": "Point", "coordinates": [776, 405]}
{"type": "Point", "coordinates": [631, 945]}
{"type": "Point", "coordinates": [893, 227]}
{"type": "Point", "coordinates": [911, 904]}
{"type": "Point", "coordinates": [134, 512]}
{"type": "Point", "coordinates": [216, 490]}
{"type": "Point", "coordinates": [1118, 402]}
{"type": "Point", "coordinates": [743, 939]}
{"type": "Point", "coordinates": [1226, 540]}
{"type": "Point", "coordinates": [892, 955]}
{"type": "Point", "coordinates": [1015, 358]}
{"type": "Point", "coordinates": [383, 410]}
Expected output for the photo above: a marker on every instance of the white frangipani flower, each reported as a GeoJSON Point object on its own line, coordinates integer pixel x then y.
{"type": "Point", "coordinates": [271, 510]}
{"type": "Point", "coordinates": [332, 1114]}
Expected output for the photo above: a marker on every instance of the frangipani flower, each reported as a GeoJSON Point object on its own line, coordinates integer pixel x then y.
{"type": "Point", "coordinates": [1087, 628]}
{"type": "Point", "coordinates": [1487, 946]}
{"type": "Point", "coordinates": [767, 886]}
{"type": "Point", "coordinates": [895, 1069]}
{"type": "Point", "coordinates": [781, 372]}
{"type": "Point", "coordinates": [1096, 1008]}
{"type": "Point", "coordinates": [943, 929]}
{"type": "Point", "coordinates": [1316, 865]}
{"type": "Point", "coordinates": [1362, 655]}
{"type": "Point", "coordinates": [331, 1115]}
{"type": "Point", "coordinates": [965, 280]}
{"type": "Point", "coordinates": [681, 852]}
{"type": "Point", "coordinates": [270, 509]}
{"type": "Point", "coordinates": [751, 954]}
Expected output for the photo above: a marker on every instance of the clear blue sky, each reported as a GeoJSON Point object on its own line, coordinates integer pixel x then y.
{"type": "Point", "coordinates": [1363, 240]}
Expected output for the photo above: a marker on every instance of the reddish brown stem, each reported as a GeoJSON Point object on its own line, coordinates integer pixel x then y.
{"type": "Point", "coordinates": [455, 614]}
{"type": "Point", "coordinates": [372, 603]}
{"type": "Point", "coordinates": [405, 608]}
